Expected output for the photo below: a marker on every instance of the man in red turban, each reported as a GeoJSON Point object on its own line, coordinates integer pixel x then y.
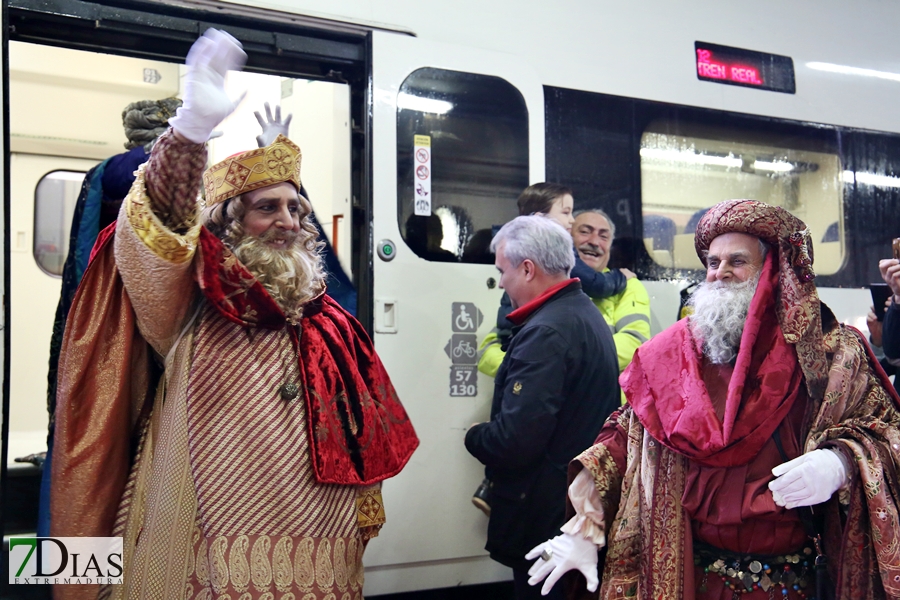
{"type": "Point", "coordinates": [760, 440]}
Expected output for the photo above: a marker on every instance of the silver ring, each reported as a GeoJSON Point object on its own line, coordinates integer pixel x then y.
{"type": "Point", "coordinates": [546, 555]}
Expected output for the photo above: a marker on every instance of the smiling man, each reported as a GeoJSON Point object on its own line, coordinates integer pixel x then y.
{"type": "Point", "coordinates": [555, 386]}
{"type": "Point", "coordinates": [628, 312]}
{"type": "Point", "coordinates": [254, 469]}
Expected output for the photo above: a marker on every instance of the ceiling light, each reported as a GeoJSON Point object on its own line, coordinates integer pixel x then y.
{"type": "Point", "coordinates": [845, 70]}
{"type": "Point", "coordinates": [729, 161]}
{"type": "Point", "coordinates": [871, 179]}
{"type": "Point", "coordinates": [428, 105]}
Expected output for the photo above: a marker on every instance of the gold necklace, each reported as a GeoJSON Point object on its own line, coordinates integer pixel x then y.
{"type": "Point", "coordinates": [289, 390]}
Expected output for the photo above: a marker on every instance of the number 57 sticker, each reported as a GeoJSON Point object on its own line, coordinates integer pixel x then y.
{"type": "Point", "coordinates": [463, 380]}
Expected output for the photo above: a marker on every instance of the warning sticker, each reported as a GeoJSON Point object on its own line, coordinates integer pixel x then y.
{"type": "Point", "coordinates": [422, 175]}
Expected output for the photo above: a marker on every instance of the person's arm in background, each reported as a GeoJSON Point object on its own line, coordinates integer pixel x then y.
{"type": "Point", "coordinates": [493, 347]}
{"type": "Point", "coordinates": [890, 334]}
{"type": "Point", "coordinates": [599, 285]}
{"type": "Point", "coordinates": [631, 321]}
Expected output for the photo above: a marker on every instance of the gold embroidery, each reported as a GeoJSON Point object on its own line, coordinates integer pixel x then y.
{"type": "Point", "coordinates": [217, 565]}
{"type": "Point", "coordinates": [354, 563]}
{"type": "Point", "coordinates": [281, 564]}
{"type": "Point", "coordinates": [202, 564]}
{"type": "Point", "coordinates": [360, 571]}
{"type": "Point", "coordinates": [162, 241]}
{"type": "Point", "coordinates": [346, 596]}
{"type": "Point", "coordinates": [188, 588]}
{"type": "Point", "coordinates": [288, 596]}
{"type": "Point", "coordinates": [260, 568]}
{"type": "Point", "coordinates": [340, 564]}
{"type": "Point", "coordinates": [247, 596]}
{"type": "Point", "coordinates": [192, 563]}
{"type": "Point", "coordinates": [304, 574]}
{"type": "Point", "coordinates": [369, 507]}
{"type": "Point", "coordinates": [309, 597]}
{"type": "Point", "coordinates": [237, 561]}
{"type": "Point", "coordinates": [324, 570]}
{"type": "Point", "coordinates": [204, 594]}
{"type": "Point", "coordinates": [267, 596]}
{"type": "Point", "coordinates": [224, 597]}
{"type": "Point", "coordinates": [517, 388]}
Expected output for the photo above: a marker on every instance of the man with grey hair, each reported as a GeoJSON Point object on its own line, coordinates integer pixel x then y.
{"type": "Point", "coordinates": [557, 384]}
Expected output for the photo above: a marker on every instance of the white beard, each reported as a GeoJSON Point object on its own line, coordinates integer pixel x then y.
{"type": "Point", "coordinates": [720, 312]}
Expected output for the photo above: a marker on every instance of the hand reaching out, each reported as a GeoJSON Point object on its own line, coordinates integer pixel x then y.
{"type": "Point", "coordinates": [272, 128]}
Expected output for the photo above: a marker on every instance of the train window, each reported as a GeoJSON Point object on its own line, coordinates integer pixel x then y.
{"type": "Point", "coordinates": [462, 160]}
{"type": "Point", "coordinates": [687, 169]}
{"type": "Point", "coordinates": [54, 206]}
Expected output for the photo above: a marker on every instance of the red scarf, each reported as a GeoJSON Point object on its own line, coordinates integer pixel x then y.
{"type": "Point", "coordinates": [358, 429]}
{"type": "Point", "coordinates": [671, 401]}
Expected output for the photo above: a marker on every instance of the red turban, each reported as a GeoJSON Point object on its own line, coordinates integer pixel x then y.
{"type": "Point", "coordinates": [797, 305]}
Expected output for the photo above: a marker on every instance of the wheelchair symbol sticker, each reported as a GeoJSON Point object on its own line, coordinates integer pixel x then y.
{"type": "Point", "coordinates": [466, 318]}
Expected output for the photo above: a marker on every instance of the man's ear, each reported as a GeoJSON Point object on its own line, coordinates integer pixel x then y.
{"type": "Point", "coordinates": [530, 269]}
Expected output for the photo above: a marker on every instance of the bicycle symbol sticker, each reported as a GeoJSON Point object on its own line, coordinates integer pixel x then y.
{"type": "Point", "coordinates": [462, 349]}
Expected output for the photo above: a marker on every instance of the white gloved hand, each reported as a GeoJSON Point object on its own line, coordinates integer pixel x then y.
{"type": "Point", "coordinates": [205, 102]}
{"type": "Point", "coordinates": [567, 552]}
{"type": "Point", "coordinates": [809, 479]}
{"type": "Point", "coordinates": [272, 128]}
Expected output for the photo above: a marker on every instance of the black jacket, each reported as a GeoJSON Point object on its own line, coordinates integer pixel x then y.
{"type": "Point", "coordinates": [555, 387]}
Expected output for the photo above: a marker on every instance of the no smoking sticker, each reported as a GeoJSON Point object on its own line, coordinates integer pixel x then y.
{"type": "Point", "coordinates": [422, 177]}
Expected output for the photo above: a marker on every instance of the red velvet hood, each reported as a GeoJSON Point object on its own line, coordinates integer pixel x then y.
{"type": "Point", "coordinates": [664, 385]}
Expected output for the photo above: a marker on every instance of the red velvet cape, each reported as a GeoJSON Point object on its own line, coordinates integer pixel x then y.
{"type": "Point", "coordinates": [664, 386]}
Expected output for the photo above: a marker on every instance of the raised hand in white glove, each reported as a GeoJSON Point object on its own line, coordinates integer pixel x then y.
{"type": "Point", "coordinates": [566, 552]}
{"type": "Point", "coordinates": [205, 102]}
{"type": "Point", "coordinates": [272, 128]}
{"type": "Point", "coordinates": [809, 479]}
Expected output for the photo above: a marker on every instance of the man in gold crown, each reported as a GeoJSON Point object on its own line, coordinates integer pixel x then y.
{"type": "Point", "coordinates": [254, 468]}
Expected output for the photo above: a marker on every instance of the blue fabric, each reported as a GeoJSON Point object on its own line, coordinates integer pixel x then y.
{"type": "Point", "coordinates": [340, 288]}
{"type": "Point", "coordinates": [89, 226]}
{"type": "Point", "coordinates": [119, 173]}
{"type": "Point", "coordinates": [43, 524]}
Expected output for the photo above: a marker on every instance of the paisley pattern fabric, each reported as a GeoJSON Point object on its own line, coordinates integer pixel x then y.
{"type": "Point", "coordinates": [264, 567]}
{"type": "Point", "coordinates": [850, 407]}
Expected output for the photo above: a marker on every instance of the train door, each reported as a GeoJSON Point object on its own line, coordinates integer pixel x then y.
{"type": "Point", "coordinates": [457, 134]}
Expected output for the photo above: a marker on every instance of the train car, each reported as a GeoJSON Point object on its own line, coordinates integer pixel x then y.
{"type": "Point", "coordinates": [420, 123]}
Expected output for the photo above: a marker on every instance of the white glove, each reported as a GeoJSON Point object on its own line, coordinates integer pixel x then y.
{"type": "Point", "coordinates": [272, 128]}
{"type": "Point", "coordinates": [809, 479]}
{"type": "Point", "coordinates": [567, 552]}
{"type": "Point", "coordinates": [205, 102]}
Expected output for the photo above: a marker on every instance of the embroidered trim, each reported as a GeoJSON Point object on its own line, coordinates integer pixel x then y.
{"type": "Point", "coordinates": [370, 511]}
{"type": "Point", "coordinates": [161, 240]}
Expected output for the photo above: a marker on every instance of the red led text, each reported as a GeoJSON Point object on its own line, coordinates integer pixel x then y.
{"type": "Point", "coordinates": [711, 69]}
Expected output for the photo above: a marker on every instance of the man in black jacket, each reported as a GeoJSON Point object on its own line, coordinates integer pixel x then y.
{"type": "Point", "coordinates": [555, 387]}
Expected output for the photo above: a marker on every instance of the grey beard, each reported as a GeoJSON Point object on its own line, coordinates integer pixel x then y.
{"type": "Point", "coordinates": [292, 276]}
{"type": "Point", "coordinates": [720, 312]}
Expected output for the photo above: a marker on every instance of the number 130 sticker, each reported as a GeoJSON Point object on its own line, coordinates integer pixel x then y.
{"type": "Point", "coordinates": [463, 380]}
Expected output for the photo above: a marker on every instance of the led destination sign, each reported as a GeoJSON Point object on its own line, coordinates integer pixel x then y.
{"type": "Point", "coordinates": [734, 66]}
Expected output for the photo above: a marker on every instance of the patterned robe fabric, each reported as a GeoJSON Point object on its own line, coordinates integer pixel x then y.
{"type": "Point", "coordinates": [649, 532]}
{"type": "Point", "coordinates": [851, 407]}
{"type": "Point", "coordinates": [223, 488]}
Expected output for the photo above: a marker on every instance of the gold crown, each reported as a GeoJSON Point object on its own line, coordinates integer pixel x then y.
{"type": "Point", "coordinates": [251, 170]}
